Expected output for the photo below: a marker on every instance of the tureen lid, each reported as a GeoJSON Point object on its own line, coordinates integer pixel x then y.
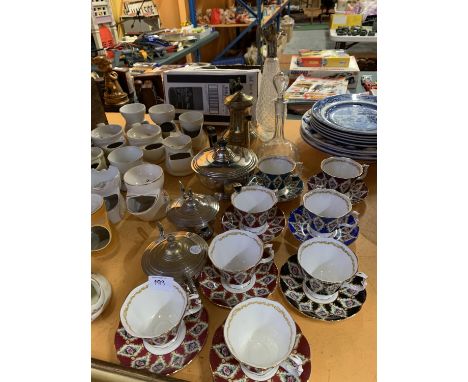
{"type": "Point", "coordinates": [192, 210]}
{"type": "Point", "coordinates": [223, 161]}
{"type": "Point", "coordinates": [180, 255]}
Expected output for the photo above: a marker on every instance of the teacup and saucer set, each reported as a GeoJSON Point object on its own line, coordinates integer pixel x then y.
{"type": "Point", "coordinates": [343, 175]}
{"type": "Point", "coordinates": [325, 213]}
{"type": "Point", "coordinates": [322, 281]}
{"type": "Point", "coordinates": [161, 330]}
{"type": "Point", "coordinates": [241, 268]}
{"type": "Point", "coordinates": [279, 173]}
{"type": "Point", "coordinates": [254, 209]}
{"type": "Point", "coordinates": [247, 348]}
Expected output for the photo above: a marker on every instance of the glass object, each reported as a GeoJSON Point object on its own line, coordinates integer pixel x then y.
{"type": "Point", "coordinates": [279, 146]}
{"type": "Point", "coordinates": [265, 109]}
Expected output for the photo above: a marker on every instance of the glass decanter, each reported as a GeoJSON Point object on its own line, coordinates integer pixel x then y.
{"type": "Point", "coordinates": [265, 109]}
{"type": "Point", "coordinates": [279, 146]}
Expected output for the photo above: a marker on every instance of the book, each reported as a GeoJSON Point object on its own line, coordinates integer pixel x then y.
{"type": "Point", "coordinates": [323, 58]}
{"type": "Point", "coordinates": [314, 89]}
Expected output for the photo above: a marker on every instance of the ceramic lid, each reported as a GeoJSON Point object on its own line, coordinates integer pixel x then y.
{"type": "Point", "coordinates": [223, 161]}
{"type": "Point", "coordinates": [180, 255]}
{"type": "Point", "coordinates": [192, 210]}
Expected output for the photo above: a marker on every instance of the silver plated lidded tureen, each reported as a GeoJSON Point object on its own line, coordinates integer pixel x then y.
{"type": "Point", "coordinates": [193, 212]}
{"type": "Point", "coordinates": [181, 255]}
{"type": "Point", "coordinates": [223, 165]}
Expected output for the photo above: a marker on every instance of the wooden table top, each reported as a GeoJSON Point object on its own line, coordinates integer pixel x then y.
{"type": "Point", "coordinates": [340, 351]}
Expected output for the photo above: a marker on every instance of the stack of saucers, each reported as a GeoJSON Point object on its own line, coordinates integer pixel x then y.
{"type": "Point", "coordinates": [344, 125]}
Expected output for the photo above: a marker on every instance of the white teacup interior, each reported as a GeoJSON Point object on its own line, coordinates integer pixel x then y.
{"type": "Point", "coordinates": [327, 203]}
{"type": "Point", "coordinates": [133, 108]}
{"type": "Point", "coordinates": [125, 154]}
{"type": "Point", "coordinates": [150, 313]}
{"type": "Point", "coordinates": [327, 260]}
{"type": "Point", "coordinates": [143, 174]}
{"type": "Point", "coordinates": [177, 141]}
{"type": "Point", "coordinates": [106, 131]}
{"type": "Point", "coordinates": [142, 131]}
{"type": "Point", "coordinates": [276, 165]}
{"type": "Point", "coordinates": [260, 332]}
{"type": "Point", "coordinates": [344, 168]}
{"type": "Point", "coordinates": [235, 251]}
{"type": "Point", "coordinates": [254, 199]}
{"type": "Point", "coordinates": [191, 120]}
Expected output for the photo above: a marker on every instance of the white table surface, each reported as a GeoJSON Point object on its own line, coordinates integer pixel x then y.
{"type": "Point", "coordinates": [334, 37]}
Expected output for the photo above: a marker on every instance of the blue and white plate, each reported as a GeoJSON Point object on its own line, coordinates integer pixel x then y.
{"type": "Point", "coordinates": [356, 113]}
{"type": "Point", "coordinates": [299, 227]}
{"type": "Point", "coordinates": [290, 192]}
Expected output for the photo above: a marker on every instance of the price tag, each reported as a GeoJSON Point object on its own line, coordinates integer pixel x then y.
{"type": "Point", "coordinates": [160, 282]}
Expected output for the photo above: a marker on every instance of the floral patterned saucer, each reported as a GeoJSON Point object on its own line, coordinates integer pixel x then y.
{"type": "Point", "coordinates": [275, 226]}
{"type": "Point", "coordinates": [210, 284]}
{"type": "Point", "coordinates": [347, 304]}
{"type": "Point", "coordinates": [290, 192]}
{"type": "Point", "coordinates": [298, 224]}
{"type": "Point", "coordinates": [132, 353]}
{"type": "Point", "coordinates": [357, 190]}
{"type": "Point", "coordinates": [226, 368]}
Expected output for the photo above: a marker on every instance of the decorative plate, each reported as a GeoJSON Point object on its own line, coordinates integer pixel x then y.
{"type": "Point", "coordinates": [291, 191]}
{"type": "Point", "coordinates": [226, 368]}
{"type": "Point", "coordinates": [212, 288]}
{"type": "Point", "coordinates": [356, 113]}
{"type": "Point", "coordinates": [346, 305]}
{"type": "Point", "coordinates": [298, 225]}
{"type": "Point", "coordinates": [357, 193]}
{"type": "Point", "coordinates": [348, 139]}
{"type": "Point", "coordinates": [131, 351]}
{"type": "Point", "coordinates": [276, 224]}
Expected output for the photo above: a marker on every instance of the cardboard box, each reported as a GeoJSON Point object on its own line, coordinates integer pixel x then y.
{"type": "Point", "coordinates": [328, 58]}
{"type": "Point", "coordinates": [343, 20]}
{"type": "Point", "coordinates": [195, 88]}
{"type": "Point", "coordinates": [351, 73]}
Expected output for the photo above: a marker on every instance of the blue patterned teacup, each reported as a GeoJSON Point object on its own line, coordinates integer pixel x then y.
{"type": "Point", "coordinates": [327, 210]}
{"type": "Point", "coordinates": [277, 171]}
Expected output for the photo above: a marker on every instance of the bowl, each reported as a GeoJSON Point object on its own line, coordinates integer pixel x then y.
{"type": "Point", "coordinates": [161, 113]}
{"type": "Point", "coordinates": [154, 152]}
{"type": "Point", "coordinates": [144, 179]}
{"type": "Point", "coordinates": [104, 134]}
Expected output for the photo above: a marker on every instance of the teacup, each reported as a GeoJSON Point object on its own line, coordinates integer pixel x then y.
{"type": "Point", "coordinates": [168, 128]}
{"type": "Point", "coordinates": [161, 113]}
{"type": "Point", "coordinates": [143, 134]}
{"type": "Point", "coordinates": [104, 135]}
{"type": "Point", "coordinates": [113, 146]}
{"type": "Point", "coordinates": [101, 292]}
{"type": "Point", "coordinates": [98, 161]}
{"type": "Point", "coordinates": [254, 205]}
{"type": "Point", "coordinates": [124, 158]}
{"type": "Point", "coordinates": [148, 207]}
{"type": "Point", "coordinates": [327, 211]}
{"type": "Point", "coordinates": [156, 316]}
{"type": "Point", "coordinates": [144, 179]}
{"type": "Point", "coordinates": [154, 152]}
{"type": "Point", "coordinates": [101, 237]}
{"type": "Point", "coordinates": [179, 164]}
{"type": "Point", "coordinates": [328, 265]}
{"type": "Point", "coordinates": [278, 170]}
{"type": "Point", "coordinates": [237, 254]}
{"type": "Point", "coordinates": [191, 122]}
{"type": "Point", "coordinates": [261, 335]}
{"type": "Point", "coordinates": [342, 172]}
{"type": "Point", "coordinates": [133, 113]}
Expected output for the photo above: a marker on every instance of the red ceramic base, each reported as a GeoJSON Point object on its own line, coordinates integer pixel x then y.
{"type": "Point", "coordinates": [226, 368]}
{"type": "Point", "coordinates": [132, 353]}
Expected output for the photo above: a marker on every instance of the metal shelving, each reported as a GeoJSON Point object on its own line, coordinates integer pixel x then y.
{"type": "Point", "coordinates": [259, 21]}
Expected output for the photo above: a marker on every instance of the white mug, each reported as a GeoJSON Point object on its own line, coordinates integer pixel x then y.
{"type": "Point", "coordinates": [261, 334]}
{"type": "Point", "coordinates": [191, 121]}
{"type": "Point", "coordinates": [156, 316]}
{"type": "Point", "coordinates": [161, 113]}
{"type": "Point", "coordinates": [124, 158]}
{"type": "Point", "coordinates": [133, 113]}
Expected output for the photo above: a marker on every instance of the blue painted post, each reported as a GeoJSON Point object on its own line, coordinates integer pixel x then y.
{"type": "Point", "coordinates": [259, 31]}
{"type": "Point", "coordinates": [193, 20]}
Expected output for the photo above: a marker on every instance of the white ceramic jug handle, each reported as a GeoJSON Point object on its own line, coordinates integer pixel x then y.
{"type": "Point", "coordinates": [355, 215]}
{"type": "Point", "coordinates": [357, 288]}
{"type": "Point", "coordinates": [196, 308]}
{"type": "Point", "coordinates": [365, 167]}
{"type": "Point", "coordinates": [271, 255]}
{"type": "Point", "coordinates": [293, 365]}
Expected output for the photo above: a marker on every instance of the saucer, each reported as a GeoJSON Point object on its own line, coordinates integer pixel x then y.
{"type": "Point", "coordinates": [290, 192]}
{"type": "Point", "coordinates": [275, 224]}
{"type": "Point", "coordinates": [131, 351]}
{"type": "Point", "coordinates": [225, 367]}
{"type": "Point", "coordinates": [298, 226]}
{"type": "Point", "coordinates": [346, 305]}
{"type": "Point", "coordinates": [210, 283]}
{"type": "Point", "coordinates": [357, 193]}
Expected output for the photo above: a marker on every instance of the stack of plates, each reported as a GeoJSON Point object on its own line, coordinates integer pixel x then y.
{"type": "Point", "coordinates": [343, 125]}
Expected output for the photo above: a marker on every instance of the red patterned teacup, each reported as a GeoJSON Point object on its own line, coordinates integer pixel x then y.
{"type": "Point", "coordinates": [237, 254]}
{"type": "Point", "coordinates": [156, 315]}
{"type": "Point", "coordinates": [254, 205]}
{"type": "Point", "coordinates": [342, 172]}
